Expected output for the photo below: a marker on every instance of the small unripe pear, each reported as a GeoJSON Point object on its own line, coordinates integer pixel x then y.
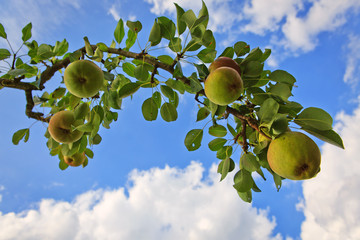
{"type": "Point", "coordinates": [60, 127]}
{"type": "Point", "coordinates": [83, 78]}
{"type": "Point", "coordinates": [75, 160]}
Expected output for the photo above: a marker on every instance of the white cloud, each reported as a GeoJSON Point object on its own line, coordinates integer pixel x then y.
{"type": "Point", "coordinates": [167, 203]}
{"type": "Point", "coordinates": [352, 70]}
{"type": "Point", "coordinates": [331, 200]}
{"type": "Point", "coordinates": [114, 12]}
{"type": "Point", "coordinates": [323, 15]}
{"type": "Point", "coordinates": [264, 15]}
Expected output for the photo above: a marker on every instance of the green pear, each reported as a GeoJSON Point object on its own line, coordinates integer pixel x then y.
{"type": "Point", "coordinates": [224, 62]}
{"type": "Point", "coordinates": [60, 127]}
{"type": "Point", "coordinates": [83, 78]}
{"type": "Point", "coordinates": [75, 160]}
{"type": "Point", "coordinates": [294, 155]}
{"type": "Point", "coordinates": [223, 86]}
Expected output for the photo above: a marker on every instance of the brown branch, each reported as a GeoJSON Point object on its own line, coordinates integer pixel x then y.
{"type": "Point", "coordinates": [29, 107]}
{"type": "Point", "coordinates": [9, 83]}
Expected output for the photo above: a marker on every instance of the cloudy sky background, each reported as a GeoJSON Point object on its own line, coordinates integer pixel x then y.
{"type": "Point", "coordinates": [142, 182]}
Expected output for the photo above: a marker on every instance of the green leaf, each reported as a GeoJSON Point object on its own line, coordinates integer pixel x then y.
{"type": "Point", "coordinates": [58, 93]}
{"type": "Point", "coordinates": [89, 153]}
{"type": "Point", "coordinates": [231, 130]}
{"type": "Point", "coordinates": [181, 25]}
{"type": "Point", "coordinates": [226, 164]}
{"type": "Point", "coordinates": [207, 55]}
{"type": "Point", "coordinates": [253, 69]}
{"type": "Point", "coordinates": [81, 111]}
{"type": "Point", "coordinates": [165, 59]}
{"type": "Point", "coordinates": [241, 48]}
{"type": "Point", "coordinates": [134, 26]}
{"type": "Point", "coordinates": [63, 165]}
{"type": "Point", "coordinates": [282, 77]}
{"type": "Point", "coordinates": [128, 89]}
{"type": "Point", "coordinates": [202, 70]}
{"type": "Point", "coordinates": [16, 72]}
{"type": "Point", "coordinates": [243, 181]}
{"type": "Point", "coordinates": [329, 136]}
{"type": "Point", "coordinates": [102, 46]}
{"type": "Point", "coordinates": [26, 32]}
{"type": "Point", "coordinates": [280, 90]}
{"type": "Point", "coordinates": [203, 13]}
{"type": "Point", "coordinates": [224, 152]}
{"type": "Point", "coordinates": [189, 18]}
{"type": "Point", "coordinates": [157, 99]}
{"type": "Point", "coordinates": [193, 45]}
{"type": "Point", "coordinates": [218, 131]}
{"type": "Point", "coordinates": [2, 31]}
{"type": "Point", "coordinates": [202, 114]}
{"type": "Point", "coordinates": [20, 134]}
{"type": "Point", "coordinates": [246, 196]}
{"type": "Point", "coordinates": [195, 84]}
{"type": "Point", "coordinates": [129, 69]}
{"type": "Point", "coordinates": [88, 48]}
{"type": "Point", "coordinates": [98, 55]}
{"type": "Point", "coordinates": [175, 44]}
{"type": "Point", "coordinates": [44, 52]}
{"type": "Point", "coordinates": [277, 181]}
{"type": "Point", "coordinates": [176, 84]}
{"type": "Point", "coordinates": [193, 139]}
{"type": "Point", "coordinates": [265, 55]}
{"type": "Point", "coordinates": [178, 73]}
{"type": "Point", "coordinates": [168, 112]}
{"type": "Point", "coordinates": [249, 162]}
{"type": "Point", "coordinates": [4, 53]}
{"type": "Point", "coordinates": [119, 32]}
{"type": "Point", "coordinates": [96, 139]}
{"type": "Point", "coordinates": [141, 73]}
{"type": "Point", "coordinates": [208, 39]}
{"type": "Point", "coordinates": [61, 47]}
{"type": "Point", "coordinates": [149, 109]}
{"type": "Point", "coordinates": [268, 110]}
{"type": "Point", "coordinates": [315, 118]}
{"type": "Point", "coordinates": [131, 38]}
{"type": "Point", "coordinates": [168, 28]}
{"type": "Point", "coordinates": [155, 34]}
{"type": "Point", "coordinates": [254, 55]}
{"type": "Point", "coordinates": [216, 144]}
{"type": "Point", "coordinates": [168, 92]}
{"type": "Point", "coordinates": [228, 52]}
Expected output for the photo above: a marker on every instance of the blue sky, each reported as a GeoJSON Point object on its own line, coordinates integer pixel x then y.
{"type": "Point", "coordinates": [142, 180]}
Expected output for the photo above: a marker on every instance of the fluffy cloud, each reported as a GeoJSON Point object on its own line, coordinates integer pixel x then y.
{"type": "Point", "coordinates": [331, 200]}
{"type": "Point", "coordinates": [352, 71]}
{"type": "Point", "coordinates": [293, 25]}
{"type": "Point", "coordinates": [166, 203]}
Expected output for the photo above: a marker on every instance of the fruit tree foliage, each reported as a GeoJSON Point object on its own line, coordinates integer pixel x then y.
{"type": "Point", "coordinates": [262, 112]}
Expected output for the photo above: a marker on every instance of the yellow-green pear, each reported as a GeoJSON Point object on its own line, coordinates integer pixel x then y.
{"type": "Point", "coordinates": [223, 86]}
{"type": "Point", "coordinates": [60, 127]}
{"type": "Point", "coordinates": [83, 78]}
{"type": "Point", "coordinates": [75, 160]}
{"type": "Point", "coordinates": [294, 155]}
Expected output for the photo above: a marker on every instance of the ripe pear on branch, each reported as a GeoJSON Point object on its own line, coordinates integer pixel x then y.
{"type": "Point", "coordinates": [294, 155]}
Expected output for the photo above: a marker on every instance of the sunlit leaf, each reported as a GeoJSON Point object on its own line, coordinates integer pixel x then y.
{"type": "Point", "coordinates": [193, 139]}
